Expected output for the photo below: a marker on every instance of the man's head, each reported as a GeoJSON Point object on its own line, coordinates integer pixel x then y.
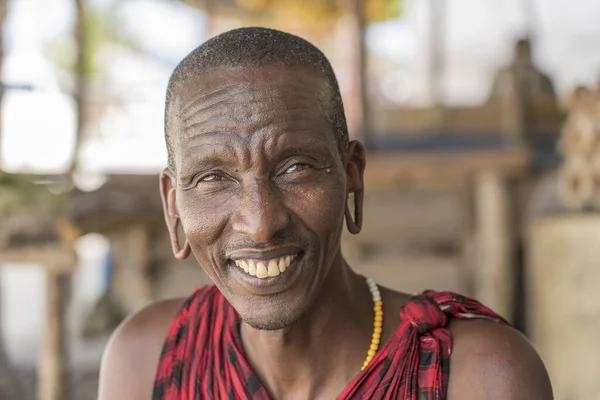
{"type": "Point", "coordinates": [523, 51]}
{"type": "Point", "coordinates": [249, 48]}
{"type": "Point", "coordinates": [260, 171]}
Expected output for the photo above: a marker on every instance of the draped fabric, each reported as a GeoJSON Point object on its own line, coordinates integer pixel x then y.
{"type": "Point", "coordinates": [203, 357]}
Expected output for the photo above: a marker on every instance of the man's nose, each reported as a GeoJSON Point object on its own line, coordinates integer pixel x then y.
{"type": "Point", "coordinates": [261, 213]}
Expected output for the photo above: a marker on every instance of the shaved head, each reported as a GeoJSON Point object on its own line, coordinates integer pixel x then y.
{"type": "Point", "coordinates": [253, 48]}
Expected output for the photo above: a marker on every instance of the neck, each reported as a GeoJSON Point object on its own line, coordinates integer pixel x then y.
{"type": "Point", "coordinates": [308, 359]}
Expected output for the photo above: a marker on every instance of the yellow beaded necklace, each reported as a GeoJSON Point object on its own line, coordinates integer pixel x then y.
{"type": "Point", "coordinates": [377, 324]}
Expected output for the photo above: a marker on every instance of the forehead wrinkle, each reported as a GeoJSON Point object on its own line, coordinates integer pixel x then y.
{"type": "Point", "coordinates": [254, 124]}
{"type": "Point", "coordinates": [244, 110]}
{"type": "Point", "coordinates": [199, 97]}
{"type": "Point", "coordinates": [242, 99]}
{"type": "Point", "coordinates": [247, 107]}
{"type": "Point", "coordinates": [204, 108]}
{"type": "Point", "coordinates": [217, 136]}
{"type": "Point", "coordinates": [206, 149]}
{"type": "Point", "coordinates": [248, 92]}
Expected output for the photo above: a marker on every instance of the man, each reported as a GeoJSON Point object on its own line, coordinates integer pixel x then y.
{"type": "Point", "coordinates": [260, 175]}
{"type": "Point", "coordinates": [523, 74]}
{"type": "Point", "coordinates": [516, 87]}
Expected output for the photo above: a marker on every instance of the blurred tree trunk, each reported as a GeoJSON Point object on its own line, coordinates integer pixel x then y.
{"type": "Point", "coordinates": [81, 82]}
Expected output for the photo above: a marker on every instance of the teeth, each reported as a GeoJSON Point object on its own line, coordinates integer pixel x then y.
{"type": "Point", "coordinates": [273, 270]}
{"type": "Point", "coordinates": [251, 268]}
{"type": "Point", "coordinates": [261, 270]}
{"type": "Point", "coordinates": [281, 265]}
{"type": "Point", "coordinates": [265, 268]}
{"type": "Point", "coordinates": [243, 265]}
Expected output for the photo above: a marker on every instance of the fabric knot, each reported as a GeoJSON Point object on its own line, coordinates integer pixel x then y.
{"type": "Point", "coordinates": [423, 313]}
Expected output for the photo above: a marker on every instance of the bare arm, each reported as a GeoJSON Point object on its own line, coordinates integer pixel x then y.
{"type": "Point", "coordinates": [494, 362]}
{"type": "Point", "coordinates": [132, 354]}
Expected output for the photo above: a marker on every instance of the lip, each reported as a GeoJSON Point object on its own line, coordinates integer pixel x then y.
{"type": "Point", "coordinates": [265, 254]}
{"type": "Point", "coordinates": [269, 286]}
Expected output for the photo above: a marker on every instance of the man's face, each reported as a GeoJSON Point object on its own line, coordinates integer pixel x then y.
{"type": "Point", "coordinates": [260, 188]}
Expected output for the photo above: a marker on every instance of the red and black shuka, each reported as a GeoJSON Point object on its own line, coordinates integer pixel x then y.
{"type": "Point", "coordinates": [203, 356]}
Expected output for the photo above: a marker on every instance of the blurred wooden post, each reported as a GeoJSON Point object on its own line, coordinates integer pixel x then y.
{"type": "Point", "coordinates": [365, 125]}
{"type": "Point", "coordinates": [131, 284]}
{"type": "Point", "coordinates": [209, 9]}
{"type": "Point", "coordinates": [436, 48]}
{"type": "Point", "coordinates": [493, 269]}
{"type": "Point", "coordinates": [469, 234]}
{"type": "Point", "coordinates": [58, 261]}
{"type": "Point", "coordinates": [52, 372]}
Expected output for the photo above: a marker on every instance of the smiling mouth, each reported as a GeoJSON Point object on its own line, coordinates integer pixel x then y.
{"type": "Point", "coordinates": [264, 269]}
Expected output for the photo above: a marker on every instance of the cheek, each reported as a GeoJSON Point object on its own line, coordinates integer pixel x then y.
{"type": "Point", "coordinates": [202, 218]}
{"type": "Point", "coordinates": [321, 207]}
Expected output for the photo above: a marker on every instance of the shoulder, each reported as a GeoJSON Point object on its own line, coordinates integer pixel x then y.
{"type": "Point", "coordinates": [494, 361]}
{"type": "Point", "coordinates": [132, 354]}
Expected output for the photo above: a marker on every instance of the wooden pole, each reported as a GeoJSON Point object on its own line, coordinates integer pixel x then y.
{"type": "Point", "coordinates": [365, 125]}
{"type": "Point", "coordinates": [210, 10]}
{"type": "Point", "coordinates": [52, 372]}
{"type": "Point", "coordinates": [131, 284]}
{"type": "Point", "coordinates": [468, 254]}
{"type": "Point", "coordinates": [494, 269]}
{"type": "Point", "coordinates": [437, 62]}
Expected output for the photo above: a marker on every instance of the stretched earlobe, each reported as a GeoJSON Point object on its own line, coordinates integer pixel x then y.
{"type": "Point", "coordinates": [180, 253]}
{"type": "Point", "coordinates": [355, 167]}
{"type": "Point", "coordinates": [354, 224]}
{"type": "Point", "coordinates": [167, 194]}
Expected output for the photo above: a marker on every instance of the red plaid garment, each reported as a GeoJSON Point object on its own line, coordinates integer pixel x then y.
{"type": "Point", "coordinates": [203, 356]}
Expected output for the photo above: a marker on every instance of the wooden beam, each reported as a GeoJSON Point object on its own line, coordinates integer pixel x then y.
{"type": "Point", "coordinates": [439, 170]}
{"type": "Point", "coordinates": [544, 118]}
{"type": "Point", "coordinates": [54, 259]}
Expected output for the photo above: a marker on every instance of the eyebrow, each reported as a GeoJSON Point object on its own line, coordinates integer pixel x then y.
{"type": "Point", "coordinates": [202, 160]}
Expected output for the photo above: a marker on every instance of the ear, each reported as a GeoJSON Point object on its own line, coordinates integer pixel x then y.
{"type": "Point", "coordinates": [168, 194]}
{"type": "Point", "coordinates": [355, 168]}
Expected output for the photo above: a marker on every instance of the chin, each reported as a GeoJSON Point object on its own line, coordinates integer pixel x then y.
{"type": "Point", "coordinates": [266, 317]}
{"type": "Point", "coordinates": [270, 324]}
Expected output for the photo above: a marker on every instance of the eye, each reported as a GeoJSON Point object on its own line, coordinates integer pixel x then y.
{"type": "Point", "coordinates": [210, 178]}
{"type": "Point", "coordinates": [296, 168]}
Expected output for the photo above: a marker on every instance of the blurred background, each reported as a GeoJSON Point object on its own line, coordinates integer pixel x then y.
{"type": "Point", "coordinates": [481, 119]}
